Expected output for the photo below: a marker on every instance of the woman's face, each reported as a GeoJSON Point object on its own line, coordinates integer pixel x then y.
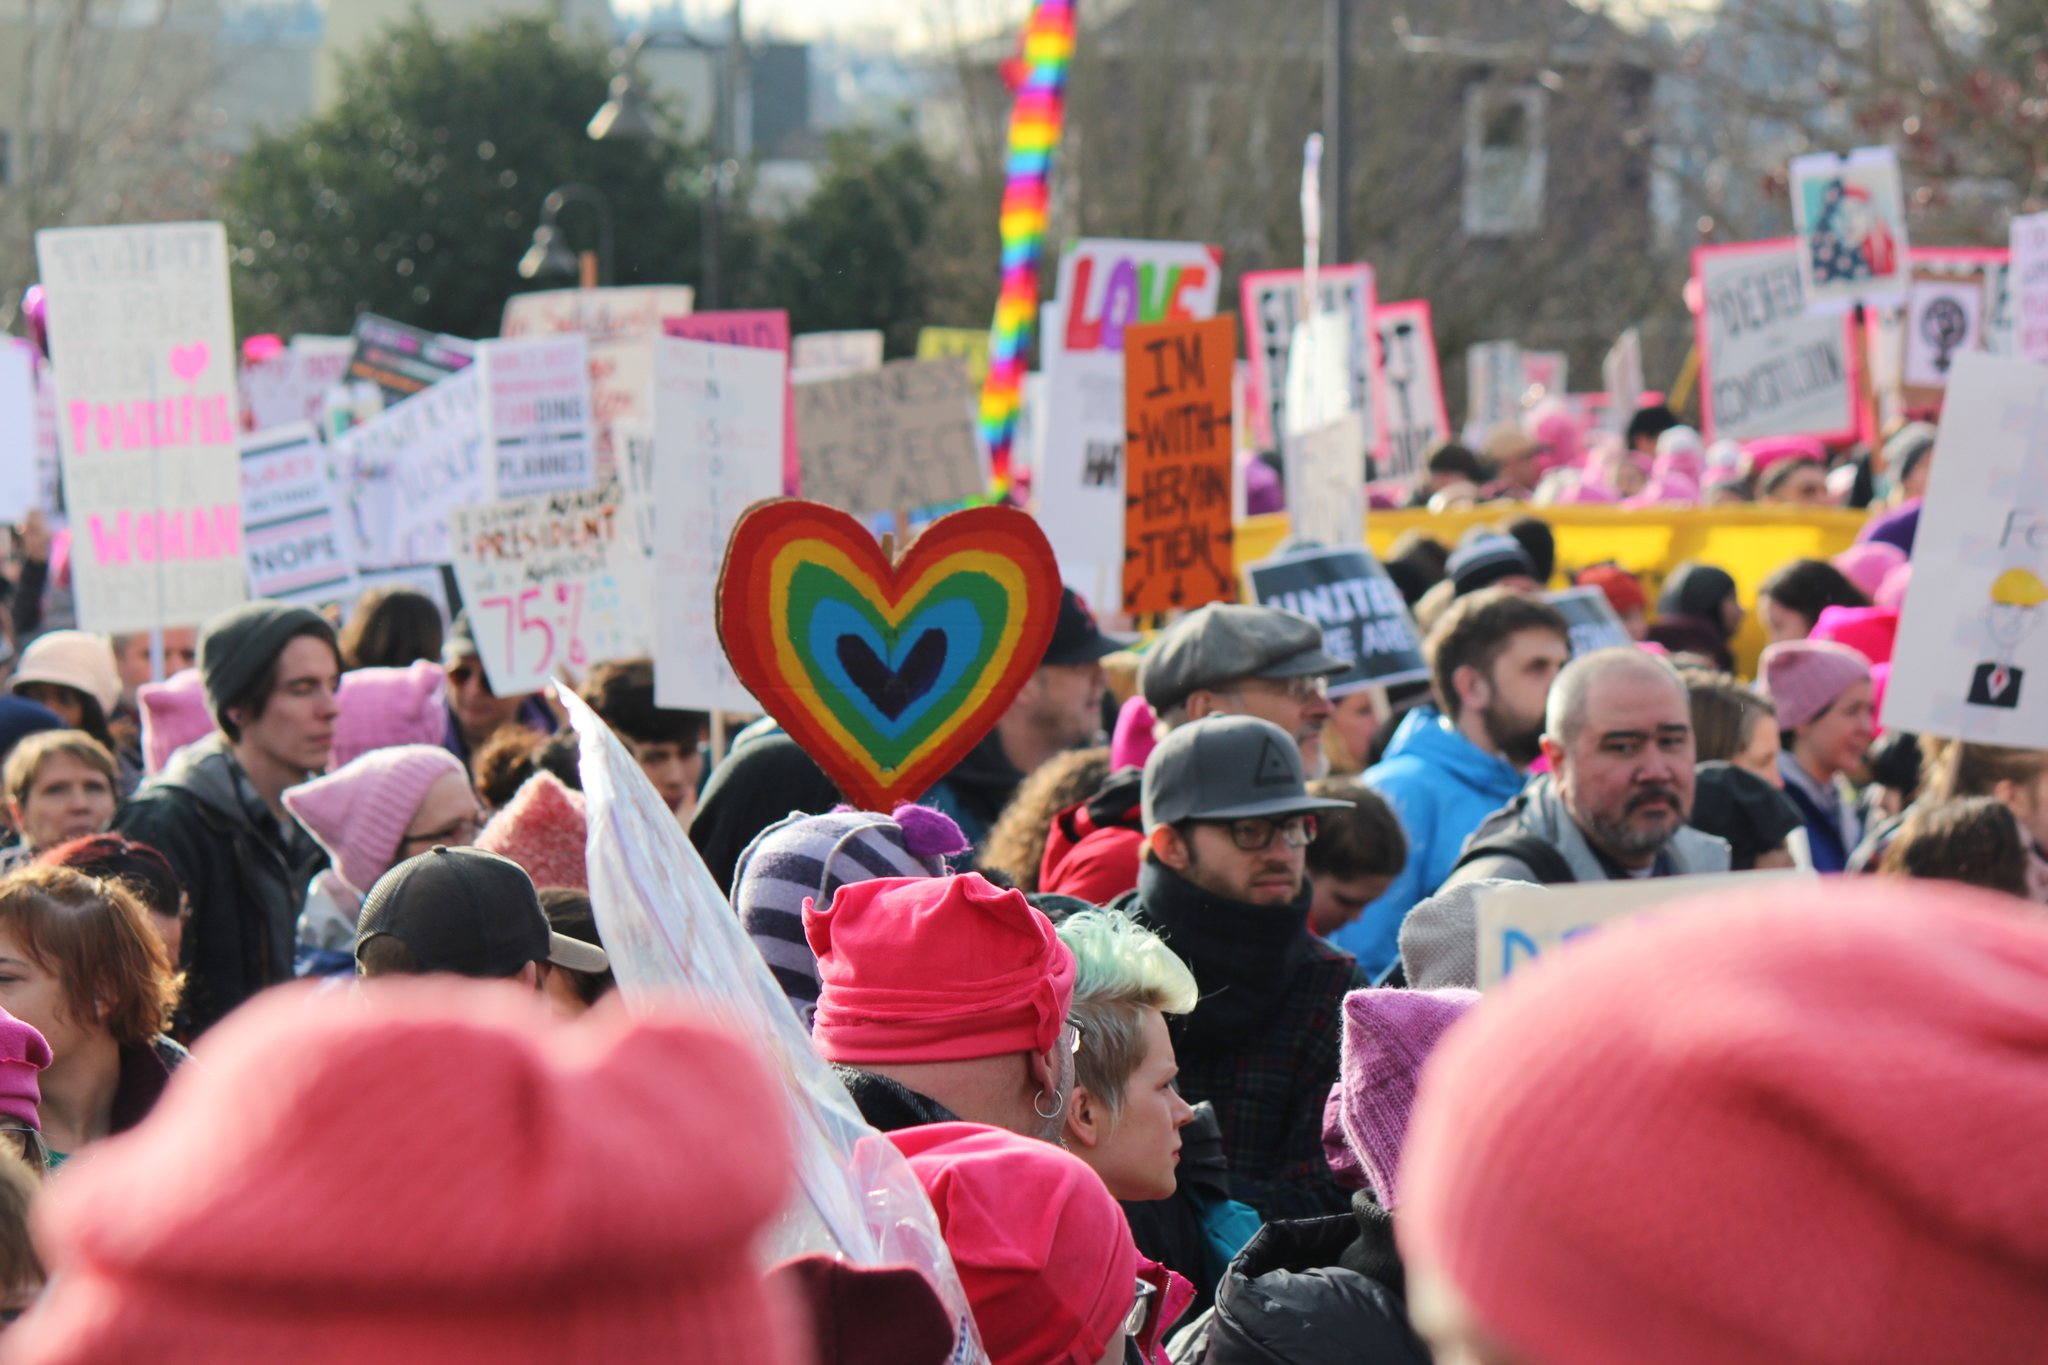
{"type": "Point", "coordinates": [1137, 1153]}
{"type": "Point", "coordinates": [67, 702]}
{"type": "Point", "coordinates": [34, 994]}
{"type": "Point", "coordinates": [1780, 621]}
{"type": "Point", "coordinates": [449, 816]}
{"type": "Point", "coordinates": [67, 799]}
{"type": "Point", "coordinates": [1760, 755]}
{"type": "Point", "coordinates": [1835, 740]}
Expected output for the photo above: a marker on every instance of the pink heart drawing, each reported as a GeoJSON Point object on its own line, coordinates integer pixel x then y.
{"type": "Point", "coordinates": [189, 362]}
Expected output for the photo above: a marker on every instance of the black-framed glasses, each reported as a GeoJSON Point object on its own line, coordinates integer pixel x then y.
{"type": "Point", "coordinates": [1254, 835]}
{"type": "Point", "coordinates": [1142, 1305]}
{"type": "Point", "coordinates": [35, 1149]}
{"type": "Point", "coordinates": [463, 831]}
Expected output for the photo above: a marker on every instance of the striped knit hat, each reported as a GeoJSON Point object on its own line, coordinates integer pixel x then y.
{"type": "Point", "coordinates": [809, 857]}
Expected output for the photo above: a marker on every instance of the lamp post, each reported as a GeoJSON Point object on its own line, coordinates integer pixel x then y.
{"type": "Point", "coordinates": [550, 254]}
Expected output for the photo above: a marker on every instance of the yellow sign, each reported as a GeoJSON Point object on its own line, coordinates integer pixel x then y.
{"type": "Point", "coordinates": [969, 343]}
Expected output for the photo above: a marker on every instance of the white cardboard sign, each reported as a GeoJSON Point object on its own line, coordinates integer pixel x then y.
{"type": "Point", "coordinates": [298, 541]}
{"type": "Point", "coordinates": [406, 470]}
{"type": "Point", "coordinates": [538, 434]}
{"type": "Point", "coordinates": [1415, 413]}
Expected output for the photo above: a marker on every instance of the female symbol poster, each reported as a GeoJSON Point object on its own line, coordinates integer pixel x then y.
{"type": "Point", "coordinates": [1849, 214]}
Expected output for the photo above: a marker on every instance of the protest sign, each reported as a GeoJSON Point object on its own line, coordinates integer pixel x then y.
{"type": "Point", "coordinates": [291, 385]}
{"type": "Point", "coordinates": [1767, 366]}
{"type": "Point", "coordinates": [891, 441]}
{"type": "Point", "coordinates": [1545, 370]}
{"type": "Point", "coordinates": [1105, 287]}
{"type": "Point", "coordinates": [1971, 661]}
{"type": "Point", "coordinates": [1944, 317]}
{"type": "Point", "coordinates": [717, 451]}
{"type": "Point", "coordinates": [1415, 415]}
{"type": "Point", "coordinates": [2000, 320]}
{"type": "Point", "coordinates": [764, 330]}
{"type": "Point", "coordinates": [536, 411]}
{"type": "Point", "coordinates": [1622, 373]}
{"type": "Point", "coordinates": [969, 343]}
{"type": "Point", "coordinates": [1849, 221]}
{"type": "Point", "coordinates": [1364, 619]}
{"type": "Point", "coordinates": [1319, 387]}
{"type": "Point", "coordinates": [1520, 922]}
{"type": "Point", "coordinates": [18, 484]}
{"type": "Point", "coordinates": [404, 471]}
{"type": "Point", "coordinates": [49, 451]}
{"type": "Point", "coordinates": [402, 360]}
{"type": "Point", "coordinates": [1273, 314]}
{"type": "Point", "coordinates": [1594, 624]}
{"type": "Point", "coordinates": [2030, 287]}
{"type": "Point", "coordinates": [609, 314]}
{"type": "Point", "coordinates": [826, 355]}
{"type": "Point", "coordinates": [552, 584]}
{"type": "Point", "coordinates": [144, 346]}
{"type": "Point", "coordinates": [1326, 482]}
{"type": "Point", "coordinates": [1177, 464]}
{"type": "Point", "coordinates": [1493, 383]}
{"type": "Point", "coordinates": [298, 542]}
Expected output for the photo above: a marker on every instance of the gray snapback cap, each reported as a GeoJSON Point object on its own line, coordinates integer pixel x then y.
{"type": "Point", "coordinates": [1226, 768]}
{"type": "Point", "coordinates": [1226, 641]}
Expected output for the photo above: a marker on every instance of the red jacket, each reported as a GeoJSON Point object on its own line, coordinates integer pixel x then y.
{"type": "Point", "coordinates": [1091, 852]}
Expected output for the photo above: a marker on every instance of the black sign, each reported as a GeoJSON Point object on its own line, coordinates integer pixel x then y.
{"type": "Point", "coordinates": [1363, 617]}
{"type": "Point", "coordinates": [402, 360]}
{"type": "Point", "coordinates": [1592, 619]}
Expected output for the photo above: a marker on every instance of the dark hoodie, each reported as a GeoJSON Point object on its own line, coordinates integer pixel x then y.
{"type": "Point", "coordinates": [1262, 1045]}
{"type": "Point", "coordinates": [977, 789]}
{"type": "Point", "coordinates": [1689, 616]}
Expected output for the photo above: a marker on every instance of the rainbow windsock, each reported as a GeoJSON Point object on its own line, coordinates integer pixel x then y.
{"type": "Point", "coordinates": [1034, 132]}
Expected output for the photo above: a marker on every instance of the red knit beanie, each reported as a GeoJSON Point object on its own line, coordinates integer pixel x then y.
{"type": "Point", "coordinates": [1776, 1127]}
{"type": "Point", "coordinates": [935, 969]}
{"type": "Point", "coordinates": [543, 828]}
{"type": "Point", "coordinates": [446, 1174]}
{"type": "Point", "coordinates": [1042, 1248]}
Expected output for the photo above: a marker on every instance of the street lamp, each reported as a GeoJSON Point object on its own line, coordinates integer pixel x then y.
{"type": "Point", "coordinates": [550, 253]}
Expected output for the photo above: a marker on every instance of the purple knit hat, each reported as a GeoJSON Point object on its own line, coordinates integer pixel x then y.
{"type": "Point", "coordinates": [1388, 1035]}
{"type": "Point", "coordinates": [359, 812]}
{"type": "Point", "coordinates": [1803, 677]}
{"type": "Point", "coordinates": [381, 707]}
{"type": "Point", "coordinates": [23, 1054]}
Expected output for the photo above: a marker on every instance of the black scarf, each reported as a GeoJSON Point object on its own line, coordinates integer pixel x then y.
{"type": "Point", "coordinates": [1243, 955]}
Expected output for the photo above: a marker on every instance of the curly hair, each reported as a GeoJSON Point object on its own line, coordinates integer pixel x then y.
{"type": "Point", "coordinates": [1016, 845]}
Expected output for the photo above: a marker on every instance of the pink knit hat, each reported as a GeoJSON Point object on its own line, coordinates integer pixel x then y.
{"type": "Point", "coordinates": [448, 1174]}
{"type": "Point", "coordinates": [1136, 734]}
{"type": "Point", "coordinates": [1388, 1035]}
{"type": "Point", "coordinates": [543, 829]}
{"type": "Point", "coordinates": [1774, 1127]}
{"type": "Point", "coordinates": [1766, 451]}
{"type": "Point", "coordinates": [23, 1054]}
{"type": "Point", "coordinates": [359, 812]}
{"type": "Point", "coordinates": [385, 706]}
{"type": "Point", "coordinates": [174, 714]}
{"type": "Point", "coordinates": [1803, 677]}
{"type": "Point", "coordinates": [1892, 592]}
{"type": "Point", "coordinates": [1867, 630]}
{"type": "Point", "coordinates": [1867, 564]}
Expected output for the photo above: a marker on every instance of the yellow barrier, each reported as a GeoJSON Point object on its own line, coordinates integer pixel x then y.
{"type": "Point", "coordinates": [1749, 542]}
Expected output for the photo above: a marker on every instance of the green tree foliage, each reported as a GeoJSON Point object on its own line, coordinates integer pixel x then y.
{"type": "Point", "coordinates": [416, 196]}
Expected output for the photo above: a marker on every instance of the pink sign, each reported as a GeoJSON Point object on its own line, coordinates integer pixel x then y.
{"type": "Point", "coordinates": [760, 329]}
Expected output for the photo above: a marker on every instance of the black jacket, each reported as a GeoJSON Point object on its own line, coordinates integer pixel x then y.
{"type": "Point", "coordinates": [888, 1106]}
{"type": "Point", "coordinates": [1321, 1291]}
{"type": "Point", "coordinates": [246, 889]}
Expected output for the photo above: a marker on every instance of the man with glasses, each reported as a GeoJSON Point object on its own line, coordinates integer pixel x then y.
{"type": "Point", "coordinates": [1228, 820]}
{"type": "Point", "coordinates": [475, 712]}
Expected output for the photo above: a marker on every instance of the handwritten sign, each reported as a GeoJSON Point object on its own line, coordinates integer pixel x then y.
{"type": "Point", "coordinates": [1594, 624]}
{"type": "Point", "coordinates": [402, 360]}
{"type": "Point", "coordinates": [826, 355]}
{"type": "Point", "coordinates": [968, 343]}
{"type": "Point", "coordinates": [1493, 381]}
{"type": "Point", "coordinates": [1849, 222]}
{"type": "Point", "coordinates": [1326, 482]}
{"type": "Point", "coordinates": [1415, 414]}
{"type": "Point", "coordinates": [1365, 621]}
{"type": "Point", "coordinates": [609, 314]}
{"type": "Point", "coordinates": [144, 345]}
{"type": "Point", "coordinates": [407, 469]}
{"type": "Point", "coordinates": [298, 541]}
{"type": "Point", "coordinates": [536, 408]}
{"type": "Point", "coordinates": [291, 385]}
{"type": "Point", "coordinates": [717, 443]}
{"type": "Point", "coordinates": [18, 489]}
{"type": "Point", "coordinates": [553, 584]}
{"type": "Point", "coordinates": [1767, 366]}
{"type": "Point", "coordinates": [891, 440]}
{"type": "Point", "coordinates": [1272, 315]}
{"type": "Point", "coordinates": [763, 329]}
{"type": "Point", "coordinates": [2030, 287]}
{"type": "Point", "coordinates": [1177, 530]}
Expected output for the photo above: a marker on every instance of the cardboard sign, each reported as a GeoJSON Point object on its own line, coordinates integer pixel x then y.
{"type": "Point", "coordinates": [406, 470]}
{"type": "Point", "coordinates": [403, 360]}
{"type": "Point", "coordinates": [1105, 287]}
{"type": "Point", "coordinates": [969, 343]}
{"type": "Point", "coordinates": [1518, 924]}
{"type": "Point", "coordinates": [1363, 616]}
{"type": "Point", "coordinates": [553, 584]}
{"type": "Point", "coordinates": [1272, 315]}
{"type": "Point", "coordinates": [1545, 370]}
{"type": "Point", "coordinates": [144, 347]}
{"type": "Point", "coordinates": [1944, 317]}
{"type": "Point", "coordinates": [764, 329]}
{"type": "Point", "coordinates": [1416, 418]}
{"type": "Point", "coordinates": [1971, 661]}
{"type": "Point", "coordinates": [890, 441]}
{"type": "Point", "coordinates": [536, 409]}
{"type": "Point", "coordinates": [610, 314]}
{"type": "Point", "coordinates": [2030, 287]}
{"type": "Point", "coordinates": [1849, 219]}
{"type": "Point", "coordinates": [1319, 388]}
{"type": "Point", "coordinates": [1177, 466]}
{"type": "Point", "coordinates": [1493, 379]}
{"type": "Point", "coordinates": [1768, 367]}
{"type": "Point", "coordinates": [1622, 372]}
{"type": "Point", "coordinates": [826, 355]}
{"type": "Point", "coordinates": [717, 451]}
{"type": "Point", "coordinates": [18, 487]}
{"type": "Point", "coordinates": [299, 546]}
{"type": "Point", "coordinates": [1326, 482]}
{"type": "Point", "coordinates": [1592, 619]}
{"type": "Point", "coordinates": [291, 385]}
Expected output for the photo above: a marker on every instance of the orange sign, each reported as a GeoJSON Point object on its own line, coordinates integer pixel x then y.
{"type": "Point", "coordinates": [1177, 454]}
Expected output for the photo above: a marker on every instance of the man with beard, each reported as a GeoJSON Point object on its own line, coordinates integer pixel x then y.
{"type": "Point", "coordinates": [1492, 659]}
{"type": "Point", "coordinates": [1618, 738]}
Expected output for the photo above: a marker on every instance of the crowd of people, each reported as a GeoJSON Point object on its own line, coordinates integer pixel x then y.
{"type": "Point", "coordinates": [1165, 994]}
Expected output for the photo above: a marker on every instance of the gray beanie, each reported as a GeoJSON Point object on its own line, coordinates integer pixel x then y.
{"type": "Point", "coordinates": [236, 646]}
{"type": "Point", "coordinates": [1440, 936]}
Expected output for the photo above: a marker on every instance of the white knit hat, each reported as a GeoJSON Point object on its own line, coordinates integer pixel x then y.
{"type": "Point", "coordinates": [74, 659]}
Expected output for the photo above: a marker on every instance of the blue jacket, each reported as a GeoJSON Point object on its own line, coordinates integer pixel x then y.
{"type": "Point", "coordinates": [1441, 786]}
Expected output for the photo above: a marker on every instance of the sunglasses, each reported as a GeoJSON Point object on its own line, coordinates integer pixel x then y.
{"type": "Point", "coordinates": [1255, 836]}
{"type": "Point", "coordinates": [1140, 1315]}
{"type": "Point", "coordinates": [461, 675]}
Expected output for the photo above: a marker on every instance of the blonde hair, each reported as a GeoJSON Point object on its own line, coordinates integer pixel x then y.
{"type": "Point", "coordinates": [1121, 969]}
{"type": "Point", "coordinates": [25, 763]}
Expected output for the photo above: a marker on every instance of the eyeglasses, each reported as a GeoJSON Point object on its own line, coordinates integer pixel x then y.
{"type": "Point", "coordinates": [1301, 690]}
{"type": "Point", "coordinates": [463, 831]}
{"type": "Point", "coordinates": [1255, 836]}
{"type": "Point", "coordinates": [1140, 1315]}
{"type": "Point", "coordinates": [35, 1150]}
{"type": "Point", "coordinates": [461, 675]}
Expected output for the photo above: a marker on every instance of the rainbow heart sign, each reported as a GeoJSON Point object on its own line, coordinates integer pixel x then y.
{"type": "Point", "coordinates": [887, 673]}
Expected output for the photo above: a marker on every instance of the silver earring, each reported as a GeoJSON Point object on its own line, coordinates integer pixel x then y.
{"type": "Point", "coordinates": [1059, 1106]}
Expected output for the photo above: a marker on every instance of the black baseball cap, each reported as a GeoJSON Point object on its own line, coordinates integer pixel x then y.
{"type": "Point", "coordinates": [1076, 639]}
{"type": "Point", "coordinates": [469, 912]}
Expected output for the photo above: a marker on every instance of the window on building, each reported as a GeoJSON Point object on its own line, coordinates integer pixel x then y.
{"type": "Point", "coordinates": [1506, 158]}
